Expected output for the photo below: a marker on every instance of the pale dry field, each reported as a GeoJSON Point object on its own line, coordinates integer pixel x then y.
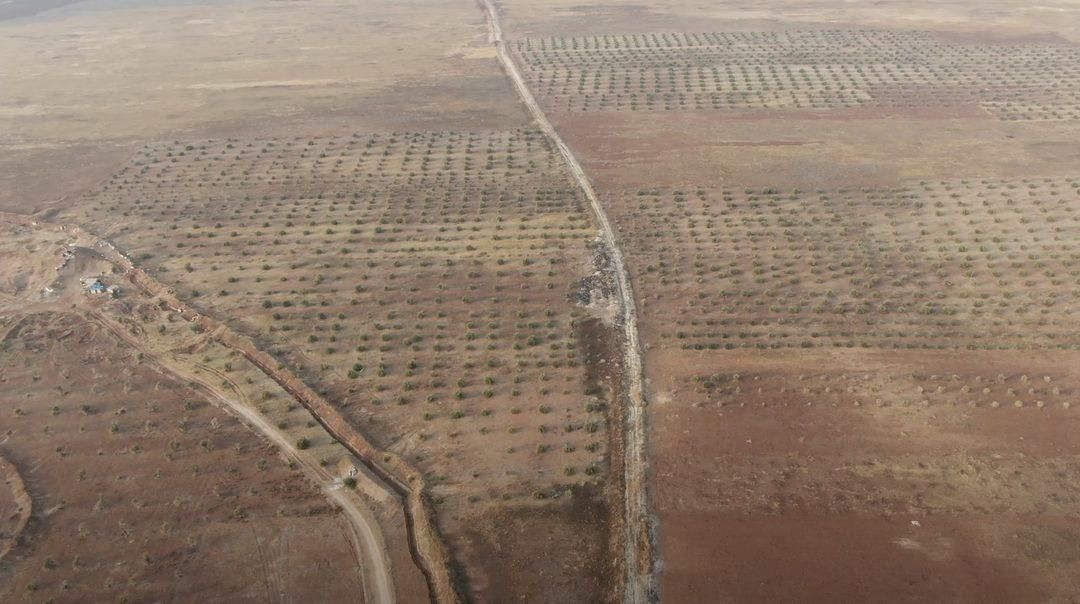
{"type": "Point", "coordinates": [87, 84]}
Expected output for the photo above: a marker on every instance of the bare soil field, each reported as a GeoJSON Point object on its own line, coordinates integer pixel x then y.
{"type": "Point", "coordinates": [884, 476]}
{"type": "Point", "coordinates": [1000, 20]}
{"type": "Point", "coordinates": [820, 151]}
{"type": "Point", "coordinates": [797, 557]}
{"type": "Point", "coordinates": [501, 542]}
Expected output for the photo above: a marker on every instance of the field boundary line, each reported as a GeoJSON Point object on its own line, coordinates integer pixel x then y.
{"type": "Point", "coordinates": [639, 548]}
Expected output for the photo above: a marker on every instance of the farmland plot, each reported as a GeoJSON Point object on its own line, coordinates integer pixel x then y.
{"type": "Point", "coordinates": [140, 487]}
{"type": "Point", "coordinates": [868, 474]}
{"type": "Point", "coordinates": [864, 376]}
{"type": "Point", "coordinates": [430, 284]}
{"type": "Point", "coordinates": [862, 384]}
{"type": "Point", "coordinates": [813, 70]}
{"type": "Point", "coordinates": [961, 264]}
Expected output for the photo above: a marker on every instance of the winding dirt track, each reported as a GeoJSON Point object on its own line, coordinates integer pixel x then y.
{"type": "Point", "coordinates": [367, 536]}
{"type": "Point", "coordinates": [375, 570]}
{"type": "Point", "coordinates": [428, 549]}
{"type": "Point", "coordinates": [370, 546]}
{"type": "Point", "coordinates": [426, 545]}
{"type": "Point", "coordinates": [640, 585]}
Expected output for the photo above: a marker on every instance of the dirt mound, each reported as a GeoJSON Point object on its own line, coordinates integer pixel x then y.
{"type": "Point", "coordinates": [15, 507]}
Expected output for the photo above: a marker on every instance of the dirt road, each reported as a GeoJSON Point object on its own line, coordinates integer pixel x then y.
{"type": "Point", "coordinates": [368, 540]}
{"type": "Point", "coordinates": [640, 585]}
{"type": "Point", "coordinates": [378, 585]}
{"type": "Point", "coordinates": [426, 545]}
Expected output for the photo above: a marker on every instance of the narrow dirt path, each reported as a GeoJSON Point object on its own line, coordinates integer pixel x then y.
{"type": "Point", "coordinates": [640, 586]}
{"type": "Point", "coordinates": [375, 571]}
{"type": "Point", "coordinates": [428, 549]}
{"type": "Point", "coordinates": [368, 538]}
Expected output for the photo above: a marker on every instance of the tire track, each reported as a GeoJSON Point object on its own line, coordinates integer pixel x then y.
{"type": "Point", "coordinates": [374, 570]}
{"type": "Point", "coordinates": [639, 584]}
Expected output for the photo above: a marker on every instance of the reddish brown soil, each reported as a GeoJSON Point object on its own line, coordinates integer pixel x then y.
{"type": "Point", "coordinates": [784, 480]}
{"type": "Point", "coordinates": [576, 531]}
{"type": "Point", "coordinates": [815, 558]}
{"type": "Point", "coordinates": [501, 544]}
{"type": "Point", "coordinates": [142, 490]}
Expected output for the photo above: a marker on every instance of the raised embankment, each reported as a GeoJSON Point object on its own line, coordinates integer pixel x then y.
{"type": "Point", "coordinates": [24, 505]}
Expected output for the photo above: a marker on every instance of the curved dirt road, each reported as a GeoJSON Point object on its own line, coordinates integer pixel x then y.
{"type": "Point", "coordinates": [374, 568]}
{"type": "Point", "coordinates": [639, 585]}
{"type": "Point", "coordinates": [368, 541]}
{"type": "Point", "coordinates": [391, 472]}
